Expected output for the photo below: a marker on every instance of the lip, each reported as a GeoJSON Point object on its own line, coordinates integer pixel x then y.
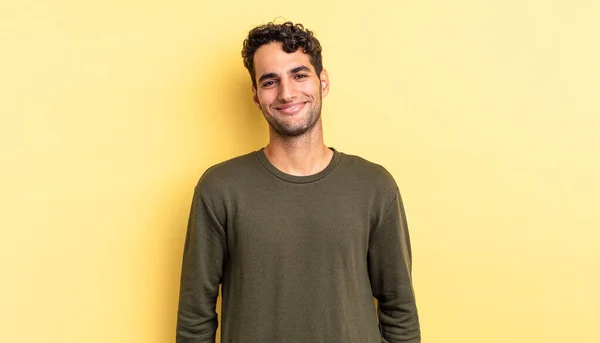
{"type": "Point", "coordinates": [291, 108]}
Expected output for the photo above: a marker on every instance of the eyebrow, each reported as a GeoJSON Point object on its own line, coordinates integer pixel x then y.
{"type": "Point", "coordinates": [291, 71]}
{"type": "Point", "coordinates": [267, 76]}
{"type": "Point", "coordinates": [299, 69]}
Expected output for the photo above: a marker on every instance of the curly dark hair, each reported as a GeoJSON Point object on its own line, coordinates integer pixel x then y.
{"type": "Point", "coordinates": [292, 36]}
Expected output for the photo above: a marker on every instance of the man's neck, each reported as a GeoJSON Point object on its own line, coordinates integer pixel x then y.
{"type": "Point", "coordinates": [299, 156]}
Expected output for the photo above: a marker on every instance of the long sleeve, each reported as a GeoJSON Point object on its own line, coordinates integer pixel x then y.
{"type": "Point", "coordinates": [203, 259]}
{"type": "Point", "coordinates": [390, 266]}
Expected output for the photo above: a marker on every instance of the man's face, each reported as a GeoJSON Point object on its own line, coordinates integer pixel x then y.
{"type": "Point", "coordinates": [288, 90]}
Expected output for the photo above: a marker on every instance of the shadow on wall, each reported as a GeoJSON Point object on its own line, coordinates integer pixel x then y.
{"type": "Point", "coordinates": [227, 124]}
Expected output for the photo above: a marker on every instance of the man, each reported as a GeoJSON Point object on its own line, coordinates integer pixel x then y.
{"type": "Point", "coordinates": [300, 236]}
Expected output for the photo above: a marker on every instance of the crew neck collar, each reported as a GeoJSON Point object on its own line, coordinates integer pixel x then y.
{"type": "Point", "coordinates": [262, 157]}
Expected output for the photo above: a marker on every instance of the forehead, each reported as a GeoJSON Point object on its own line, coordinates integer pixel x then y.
{"type": "Point", "coordinates": [271, 58]}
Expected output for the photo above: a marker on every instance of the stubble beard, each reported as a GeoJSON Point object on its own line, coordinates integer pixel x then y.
{"type": "Point", "coordinates": [291, 130]}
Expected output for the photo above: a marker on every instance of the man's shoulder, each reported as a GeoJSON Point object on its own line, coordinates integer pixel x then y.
{"type": "Point", "coordinates": [367, 170]}
{"type": "Point", "coordinates": [224, 173]}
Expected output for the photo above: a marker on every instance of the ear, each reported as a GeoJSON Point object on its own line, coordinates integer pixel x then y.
{"type": "Point", "coordinates": [324, 83]}
{"type": "Point", "coordinates": [255, 98]}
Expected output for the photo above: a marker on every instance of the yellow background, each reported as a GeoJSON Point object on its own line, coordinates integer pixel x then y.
{"type": "Point", "coordinates": [486, 112]}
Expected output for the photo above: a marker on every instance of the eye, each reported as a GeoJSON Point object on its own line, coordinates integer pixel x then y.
{"type": "Point", "coordinates": [268, 84]}
{"type": "Point", "coordinates": [301, 76]}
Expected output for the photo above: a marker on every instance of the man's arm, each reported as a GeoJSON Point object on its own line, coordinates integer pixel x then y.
{"type": "Point", "coordinates": [203, 259]}
{"type": "Point", "coordinates": [390, 266]}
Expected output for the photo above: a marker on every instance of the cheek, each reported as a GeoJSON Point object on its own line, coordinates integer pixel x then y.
{"type": "Point", "coordinates": [266, 98]}
{"type": "Point", "coordinates": [310, 88]}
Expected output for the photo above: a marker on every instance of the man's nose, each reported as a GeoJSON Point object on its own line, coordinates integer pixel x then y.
{"type": "Point", "coordinates": [285, 90]}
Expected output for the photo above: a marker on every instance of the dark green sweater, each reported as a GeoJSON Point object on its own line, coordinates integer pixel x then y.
{"type": "Point", "coordinates": [300, 258]}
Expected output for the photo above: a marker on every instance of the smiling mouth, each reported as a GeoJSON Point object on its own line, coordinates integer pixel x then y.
{"type": "Point", "coordinates": [291, 108]}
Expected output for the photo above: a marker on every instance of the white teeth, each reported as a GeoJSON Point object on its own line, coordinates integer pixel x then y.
{"type": "Point", "coordinates": [290, 109]}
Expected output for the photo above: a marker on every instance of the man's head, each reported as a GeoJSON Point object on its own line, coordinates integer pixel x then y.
{"type": "Point", "coordinates": [288, 79]}
{"type": "Point", "coordinates": [291, 36]}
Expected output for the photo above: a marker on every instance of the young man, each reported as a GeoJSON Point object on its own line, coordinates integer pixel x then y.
{"type": "Point", "coordinates": [300, 236]}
